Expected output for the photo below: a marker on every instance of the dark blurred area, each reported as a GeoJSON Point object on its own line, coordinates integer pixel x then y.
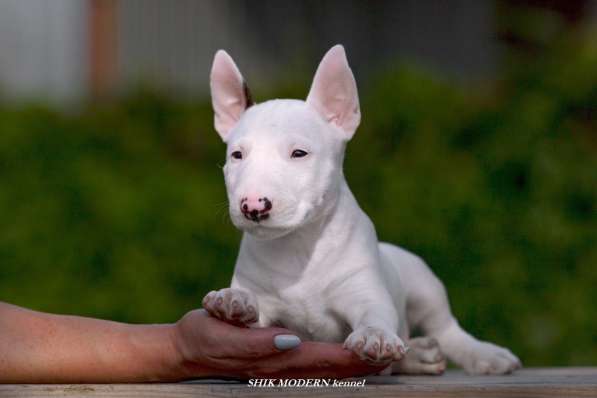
{"type": "Point", "coordinates": [477, 150]}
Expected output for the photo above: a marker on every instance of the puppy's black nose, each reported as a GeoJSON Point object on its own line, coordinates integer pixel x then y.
{"type": "Point", "coordinates": [255, 209]}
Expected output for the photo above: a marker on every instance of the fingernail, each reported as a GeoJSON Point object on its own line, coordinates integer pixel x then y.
{"type": "Point", "coordinates": [285, 342]}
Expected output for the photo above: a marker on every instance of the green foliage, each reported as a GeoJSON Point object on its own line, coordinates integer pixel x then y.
{"type": "Point", "coordinates": [119, 211]}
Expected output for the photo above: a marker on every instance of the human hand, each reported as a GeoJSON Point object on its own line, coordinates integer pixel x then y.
{"type": "Point", "coordinates": [209, 347]}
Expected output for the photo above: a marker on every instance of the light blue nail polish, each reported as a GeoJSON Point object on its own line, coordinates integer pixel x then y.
{"type": "Point", "coordinates": [285, 342]}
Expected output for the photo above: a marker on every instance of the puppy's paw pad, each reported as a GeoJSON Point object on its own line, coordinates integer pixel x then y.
{"type": "Point", "coordinates": [232, 305]}
{"type": "Point", "coordinates": [375, 345]}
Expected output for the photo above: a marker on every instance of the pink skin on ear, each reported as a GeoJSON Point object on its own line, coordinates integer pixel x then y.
{"type": "Point", "coordinates": [229, 93]}
{"type": "Point", "coordinates": [334, 92]}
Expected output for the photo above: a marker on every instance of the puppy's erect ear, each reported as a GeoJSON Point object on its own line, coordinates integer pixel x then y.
{"type": "Point", "coordinates": [334, 92]}
{"type": "Point", "coordinates": [230, 95]}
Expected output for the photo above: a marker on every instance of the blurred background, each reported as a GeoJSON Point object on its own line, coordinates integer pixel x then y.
{"type": "Point", "coordinates": [477, 150]}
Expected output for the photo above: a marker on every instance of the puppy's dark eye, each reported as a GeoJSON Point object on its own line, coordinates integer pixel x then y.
{"type": "Point", "coordinates": [298, 153]}
{"type": "Point", "coordinates": [237, 155]}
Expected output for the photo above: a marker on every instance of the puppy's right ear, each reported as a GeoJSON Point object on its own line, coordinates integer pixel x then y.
{"type": "Point", "coordinates": [230, 95]}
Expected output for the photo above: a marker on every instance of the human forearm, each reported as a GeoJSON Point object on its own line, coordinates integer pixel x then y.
{"type": "Point", "coordinates": [37, 347]}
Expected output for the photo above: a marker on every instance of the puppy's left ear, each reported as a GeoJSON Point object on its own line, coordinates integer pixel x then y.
{"type": "Point", "coordinates": [334, 92]}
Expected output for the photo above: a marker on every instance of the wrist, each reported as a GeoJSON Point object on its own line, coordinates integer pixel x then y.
{"type": "Point", "coordinates": [155, 354]}
{"type": "Point", "coordinates": [184, 360]}
{"type": "Point", "coordinates": [175, 362]}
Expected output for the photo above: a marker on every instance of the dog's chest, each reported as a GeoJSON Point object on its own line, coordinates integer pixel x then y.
{"type": "Point", "coordinates": [304, 311]}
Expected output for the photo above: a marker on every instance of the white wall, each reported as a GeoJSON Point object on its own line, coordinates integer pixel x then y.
{"type": "Point", "coordinates": [43, 51]}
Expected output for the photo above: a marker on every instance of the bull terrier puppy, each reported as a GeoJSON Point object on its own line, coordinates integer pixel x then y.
{"type": "Point", "coordinates": [310, 259]}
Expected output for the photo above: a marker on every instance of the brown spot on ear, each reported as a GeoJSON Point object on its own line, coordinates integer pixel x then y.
{"type": "Point", "coordinates": [248, 99]}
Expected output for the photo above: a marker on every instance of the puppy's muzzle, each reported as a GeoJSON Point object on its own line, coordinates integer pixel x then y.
{"type": "Point", "coordinates": [255, 209]}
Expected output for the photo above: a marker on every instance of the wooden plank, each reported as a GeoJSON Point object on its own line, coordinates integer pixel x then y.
{"type": "Point", "coordinates": [527, 383]}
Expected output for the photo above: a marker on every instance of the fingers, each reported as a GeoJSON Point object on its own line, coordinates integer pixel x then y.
{"type": "Point", "coordinates": [263, 342]}
{"type": "Point", "coordinates": [314, 360]}
{"type": "Point", "coordinates": [247, 343]}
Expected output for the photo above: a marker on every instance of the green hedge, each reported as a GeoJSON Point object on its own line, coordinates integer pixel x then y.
{"type": "Point", "coordinates": [119, 210]}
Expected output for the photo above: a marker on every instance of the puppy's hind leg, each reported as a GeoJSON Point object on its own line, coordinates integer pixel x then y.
{"type": "Point", "coordinates": [424, 357]}
{"type": "Point", "coordinates": [427, 309]}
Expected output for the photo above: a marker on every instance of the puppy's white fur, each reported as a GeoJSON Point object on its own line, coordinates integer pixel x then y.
{"type": "Point", "coordinates": [314, 265]}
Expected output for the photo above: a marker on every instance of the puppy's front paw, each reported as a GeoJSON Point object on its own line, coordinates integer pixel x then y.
{"type": "Point", "coordinates": [488, 358]}
{"type": "Point", "coordinates": [235, 306]}
{"type": "Point", "coordinates": [375, 345]}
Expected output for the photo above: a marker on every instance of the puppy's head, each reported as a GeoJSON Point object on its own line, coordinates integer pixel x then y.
{"type": "Point", "coordinates": [284, 157]}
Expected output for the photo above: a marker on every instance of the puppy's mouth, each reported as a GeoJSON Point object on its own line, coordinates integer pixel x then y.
{"type": "Point", "coordinates": [256, 216]}
{"type": "Point", "coordinates": [268, 224]}
{"type": "Point", "coordinates": [252, 222]}
{"type": "Point", "coordinates": [263, 229]}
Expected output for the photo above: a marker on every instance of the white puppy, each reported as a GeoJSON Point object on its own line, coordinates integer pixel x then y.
{"type": "Point", "coordinates": [309, 259]}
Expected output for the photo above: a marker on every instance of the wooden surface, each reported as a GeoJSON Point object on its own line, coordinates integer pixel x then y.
{"type": "Point", "coordinates": [527, 383]}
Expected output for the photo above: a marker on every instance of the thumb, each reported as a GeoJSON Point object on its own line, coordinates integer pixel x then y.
{"type": "Point", "coordinates": [261, 342]}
